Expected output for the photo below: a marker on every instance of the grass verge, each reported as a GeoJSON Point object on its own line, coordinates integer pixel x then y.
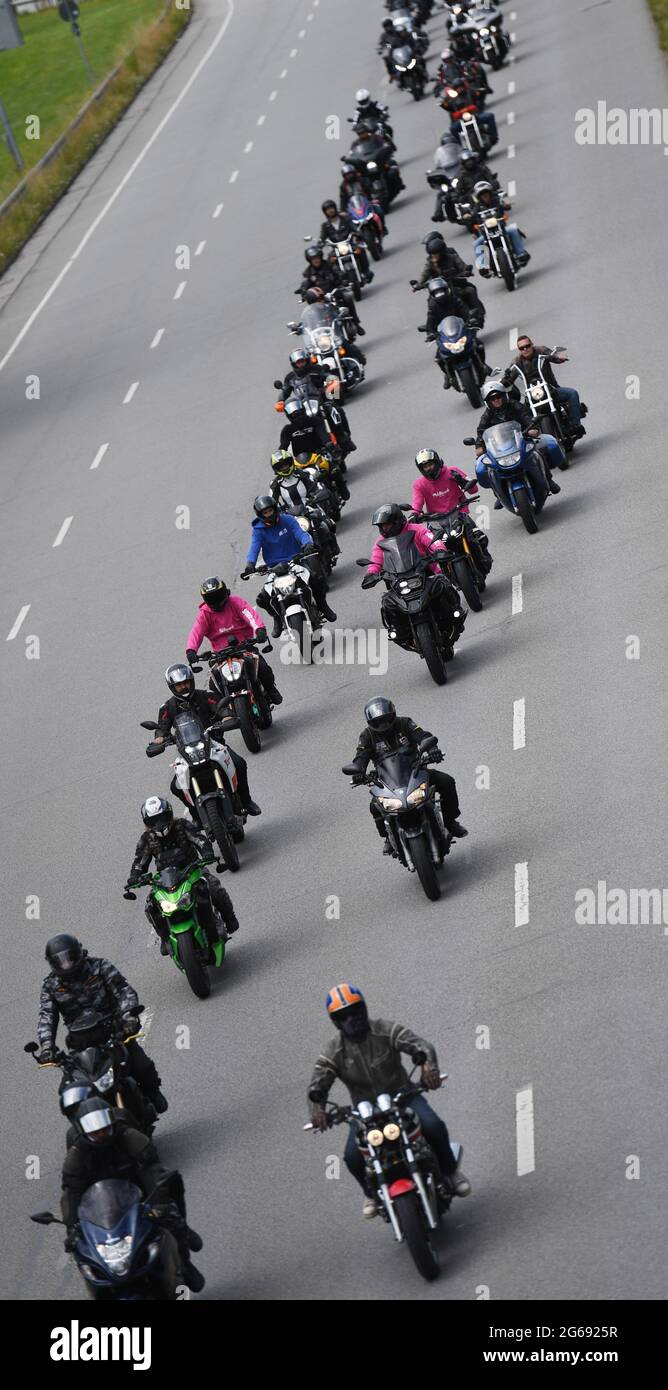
{"type": "Point", "coordinates": [659, 9]}
{"type": "Point", "coordinates": [152, 35]}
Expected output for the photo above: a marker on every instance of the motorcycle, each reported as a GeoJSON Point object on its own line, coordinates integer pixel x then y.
{"type": "Point", "coordinates": [400, 791]}
{"type": "Point", "coordinates": [95, 1063]}
{"type": "Point", "coordinates": [410, 70]}
{"type": "Point", "coordinates": [317, 525]}
{"type": "Point", "coordinates": [515, 472]}
{"type": "Point", "coordinates": [234, 680]}
{"type": "Point", "coordinates": [121, 1251]}
{"type": "Point", "coordinates": [306, 487]}
{"type": "Point", "coordinates": [410, 604]}
{"type": "Point", "coordinates": [288, 590]}
{"type": "Point", "coordinates": [404, 20]}
{"type": "Point", "coordinates": [360, 165]}
{"type": "Point", "coordinates": [206, 775]}
{"type": "Point", "coordinates": [344, 255]}
{"type": "Point", "coordinates": [401, 1168]}
{"type": "Point", "coordinates": [501, 257]}
{"type": "Point", "coordinates": [548, 411]}
{"type": "Point", "coordinates": [493, 41]}
{"type": "Point", "coordinates": [172, 893]}
{"type": "Point", "coordinates": [465, 563]}
{"type": "Point", "coordinates": [321, 326]}
{"type": "Point", "coordinates": [461, 355]}
{"type": "Point", "coordinates": [367, 223]}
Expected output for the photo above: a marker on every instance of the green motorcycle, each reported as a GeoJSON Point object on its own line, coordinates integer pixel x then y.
{"type": "Point", "coordinates": [172, 893]}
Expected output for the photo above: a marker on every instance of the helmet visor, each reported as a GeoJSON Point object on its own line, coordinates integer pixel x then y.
{"type": "Point", "coordinates": [64, 962]}
{"type": "Point", "coordinates": [97, 1126]}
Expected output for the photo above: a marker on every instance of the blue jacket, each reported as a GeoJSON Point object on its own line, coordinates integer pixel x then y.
{"type": "Point", "coordinates": [278, 543]}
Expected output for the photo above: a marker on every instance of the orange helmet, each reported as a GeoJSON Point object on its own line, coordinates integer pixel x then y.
{"type": "Point", "coordinates": [343, 996]}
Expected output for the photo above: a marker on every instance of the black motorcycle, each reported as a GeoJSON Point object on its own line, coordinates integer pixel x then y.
{"type": "Point", "coordinates": [466, 562]}
{"type": "Point", "coordinates": [95, 1063]}
{"type": "Point", "coordinates": [401, 1168]}
{"type": "Point", "coordinates": [241, 696]}
{"type": "Point", "coordinates": [207, 777]}
{"type": "Point", "coordinates": [412, 608]}
{"type": "Point", "coordinates": [414, 826]}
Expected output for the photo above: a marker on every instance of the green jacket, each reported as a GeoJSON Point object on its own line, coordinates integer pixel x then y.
{"type": "Point", "coordinates": [372, 1067]}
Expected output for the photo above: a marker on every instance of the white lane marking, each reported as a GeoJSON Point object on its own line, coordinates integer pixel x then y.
{"type": "Point", "coordinates": [293, 53]}
{"type": "Point", "coordinates": [519, 724]}
{"type": "Point", "coordinates": [512, 338]}
{"type": "Point", "coordinates": [522, 894]}
{"type": "Point", "coordinates": [513, 14]}
{"type": "Point", "coordinates": [518, 596]}
{"type": "Point", "coordinates": [200, 248]}
{"type": "Point", "coordinates": [248, 147]}
{"type": "Point", "coordinates": [261, 120]}
{"type": "Point", "coordinates": [301, 34]}
{"type": "Point", "coordinates": [63, 531]}
{"type": "Point", "coordinates": [511, 151]}
{"type": "Point", "coordinates": [15, 629]}
{"type": "Point", "coordinates": [273, 95]}
{"type": "Point", "coordinates": [100, 455]}
{"type": "Point", "coordinates": [234, 176]}
{"type": "Point", "coordinates": [157, 337]}
{"type": "Point", "coordinates": [119, 188]}
{"type": "Point", "coordinates": [511, 89]}
{"type": "Point", "coordinates": [526, 1157]}
{"type": "Point", "coordinates": [148, 1014]}
{"type": "Point", "coordinates": [283, 74]}
{"type": "Point", "coordinates": [309, 17]}
{"type": "Point", "coordinates": [130, 393]}
{"type": "Point", "coordinates": [511, 118]}
{"type": "Point", "coordinates": [179, 289]}
{"type": "Point", "coordinates": [512, 188]}
{"type": "Point", "coordinates": [512, 38]}
{"type": "Point", "coordinates": [217, 210]}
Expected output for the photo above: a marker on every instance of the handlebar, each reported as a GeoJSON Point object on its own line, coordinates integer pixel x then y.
{"type": "Point", "coordinates": [342, 1114]}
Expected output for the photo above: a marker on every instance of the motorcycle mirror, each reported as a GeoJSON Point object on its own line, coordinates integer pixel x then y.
{"type": "Point", "coordinates": [349, 770]}
{"type": "Point", "coordinates": [154, 750]}
{"type": "Point", "coordinates": [166, 1178]}
{"type": "Point", "coordinates": [148, 724]}
{"type": "Point", "coordinates": [279, 406]}
{"type": "Point", "coordinates": [427, 743]}
{"type": "Point", "coordinates": [196, 667]}
{"type": "Point", "coordinates": [131, 897]}
{"type": "Point", "coordinates": [46, 1218]}
{"type": "Point", "coordinates": [268, 648]}
{"type": "Point", "coordinates": [31, 1047]}
{"type": "Point", "coordinates": [469, 440]}
{"type": "Point", "coordinates": [278, 385]}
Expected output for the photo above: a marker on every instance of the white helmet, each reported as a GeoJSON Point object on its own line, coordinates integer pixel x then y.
{"type": "Point", "coordinates": [492, 387]}
{"type": "Point", "coordinates": [362, 97]}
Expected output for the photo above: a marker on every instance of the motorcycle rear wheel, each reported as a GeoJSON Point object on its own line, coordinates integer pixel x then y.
{"type": "Point", "coordinates": [409, 1214]}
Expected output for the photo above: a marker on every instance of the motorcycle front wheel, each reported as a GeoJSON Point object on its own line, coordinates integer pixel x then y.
{"type": "Point", "coordinates": [214, 823]}
{"type": "Point", "coordinates": [411, 1219]}
{"type": "Point", "coordinates": [195, 972]}
{"type": "Point", "coordinates": [425, 868]}
{"type": "Point", "coordinates": [249, 732]}
{"type": "Point", "coordinates": [525, 510]}
{"type": "Point", "coordinates": [302, 635]}
{"type": "Point", "coordinates": [466, 584]}
{"type": "Point", "coordinates": [431, 654]}
{"type": "Point", "coordinates": [468, 381]}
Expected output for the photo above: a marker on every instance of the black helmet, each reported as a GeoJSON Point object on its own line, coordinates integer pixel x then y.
{"type": "Point", "coordinates": [380, 715]}
{"type": "Point", "coordinates": [300, 358]}
{"type": "Point", "coordinates": [157, 815]}
{"type": "Point", "coordinates": [313, 252]}
{"type": "Point", "coordinates": [429, 462]}
{"type": "Point", "coordinates": [389, 519]}
{"type": "Point", "coordinates": [215, 593]}
{"type": "Point", "coordinates": [263, 504]}
{"type": "Point", "coordinates": [469, 158]}
{"type": "Point", "coordinates": [388, 26]}
{"type": "Point", "coordinates": [282, 463]}
{"type": "Point", "coordinates": [315, 295]}
{"type": "Point", "coordinates": [180, 675]}
{"type": "Point", "coordinates": [434, 243]}
{"type": "Point", "coordinates": [64, 954]}
{"type": "Point", "coordinates": [96, 1121]}
{"type": "Point", "coordinates": [329, 203]}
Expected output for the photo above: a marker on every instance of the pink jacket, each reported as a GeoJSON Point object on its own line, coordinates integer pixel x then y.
{"type": "Point", "coordinates": [438, 494]}
{"type": "Point", "coordinates": [237, 619]}
{"type": "Point", "coordinates": [423, 540]}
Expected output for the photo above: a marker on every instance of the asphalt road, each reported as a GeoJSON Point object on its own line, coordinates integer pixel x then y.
{"type": "Point", "coordinates": [576, 1013]}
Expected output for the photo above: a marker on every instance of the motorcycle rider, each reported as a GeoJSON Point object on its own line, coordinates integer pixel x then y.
{"type": "Point", "coordinates": [474, 170]}
{"type": "Point", "coordinates": [338, 226]}
{"type": "Point", "coordinates": [284, 467]}
{"type": "Point", "coordinates": [447, 164]}
{"type": "Point", "coordinates": [390, 520]}
{"type": "Point", "coordinates": [204, 706]}
{"type": "Point", "coordinates": [527, 360]}
{"type": "Point", "coordinates": [444, 260]}
{"type": "Point", "coordinates": [309, 374]}
{"type": "Point", "coordinates": [490, 199]}
{"type": "Point", "coordinates": [366, 1058]}
{"type": "Point", "coordinates": [104, 1145]}
{"type": "Point", "coordinates": [366, 108]}
{"type": "Point", "coordinates": [303, 433]}
{"type": "Point", "coordinates": [369, 146]}
{"type": "Point", "coordinates": [77, 983]}
{"type": "Point", "coordinates": [499, 408]}
{"type": "Point", "coordinates": [352, 181]}
{"type": "Point", "coordinates": [441, 489]}
{"type": "Point", "coordinates": [323, 276]}
{"type": "Point", "coordinates": [220, 616]}
{"type": "Point", "coordinates": [178, 844]}
{"type": "Point", "coordinates": [278, 538]}
{"type": "Point", "coordinates": [387, 41]}
{"type": "Point", "coordinates": [443, 301]}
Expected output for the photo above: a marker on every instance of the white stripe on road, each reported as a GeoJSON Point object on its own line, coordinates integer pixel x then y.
{"type": "Point", "coordinates": [526, 1156]}
{"type": "Point", "coordinates": [99, 455]}
{"type": "Point", "coordinates": [63, 531]}
{"type": "Point", "coordinates": [130, 393]}
{"type": "Point", "coordinates": [309, 17]}
{"type": "Point", "coordinates": [518, 595]}
{"type": "Point", "coordinates": [283, 74]}
{"type": "Point", "coordinates": [512, 188]}
{"type": "Point", "coordinates": [511, 151]}
{"type": "Point", "coordinates": [273, 95]}
{"type": "Point", "coordinates": [522, 894]}
{"type": "Point", "coordinates": [261, 120]}
{"type": "Point", "coordinates": [301, 34]}
{"type": "Point", "coordinates": [512, 338]}
{"type": "Point", "coordinates": [148, 1014]}
{"type": "Point", "coordinates": [200, 248]}
{"type": "Point", "coordinates": [179, 289]}
{"type": "Point", "coordinates": [513, 14]}
{"type": "Point", "coordinates": [157, 337]}
{"type": "Point", "coordinates": [234, 176]}
{"type": "Point", "coordinates": [512, 38]}
{"type": "Point", "coordinates": [519, 724]}
{"type": "Point", "coordinates": [119, 188]}
{"type": "Point", "coordinates": [511, 89]}
{"type": "Point", "coordinates": [248, 147]}
{"type": "Point", "coordinates": [217, 210]}
{"type": "Point", "coordinates": [511, 118]}
{"type": "Point", "coordinates": [293, 52]}
{"type": "Point", "coordinates": [14, 631]}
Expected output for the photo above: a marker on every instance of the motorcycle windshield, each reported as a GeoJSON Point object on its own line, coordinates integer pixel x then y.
{"type": "Point", "coordinates": [106, 1203]}
{"type": "Point", "coordinates": [395, 770]}
{"type": "Point", "coordinates": [402, 56]}
{"type": "Point", "coordinates": [400, 553]}
{"type": "Point", "coordinates": [188, 729]}
{"type": "Point", "coordinates": [502, 440]}
{"type": "Point", "coordinates": [452, 329]}
{"type": "Point", "coordinates": [358, 208]}
{"type": "Point", "coordinates": [170, 878]}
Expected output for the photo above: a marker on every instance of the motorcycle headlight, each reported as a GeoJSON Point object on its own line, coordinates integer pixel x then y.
{"type": "Point", "coordinates": [411, 64]}
{"type": "Point", "coordinates": [375, 1137]}
{"type": "Point", "coordinates": [303, 521]}
{"type": "Point", "coordinates": [537, 393]}
{"type": "Point", "coordinates": [104, 1081]}
{"type": "Point", "coordinates": [483, 31]}
{"type": "Point", "coordinates": [390, 803]}
{"type": "Point", "coordinates": [116, 1254]}
{"type": "Point", "coordinates": [491, 221]}
{"type": "Point", "coordinates": [285, 582]}
{"type": "Point", "coordinates": [509, 460]}
{"type": "Point", "coordinates": [195, 747]}
{"type": "Point", "coordinates": [344, 248]}
{"type": "Point", "coordinates": [456, 347]}
{"type": "Point", "coordinates": [231, 669]}
{"type": "Point", "coordinates": [391, 1132]}
{"type": "Point", "coordinates": [414, 798]}
{"type": "Point", "coordinates": [372, 165]}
